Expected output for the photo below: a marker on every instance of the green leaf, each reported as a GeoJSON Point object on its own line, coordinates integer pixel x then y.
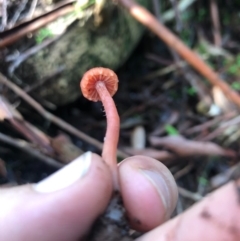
{"type": "Point", "coordinates": [236, 85]}
{"type": "Point", "coordinates": [171, 130]}
{"type": "Point", "coordinates": [42, 34]}
{"type": "Point", "coordinates": [203, 181]}
{"type": "Point", "coordinates": [191, 91]}
{"type": "Point", "coordinates": [233, 69]}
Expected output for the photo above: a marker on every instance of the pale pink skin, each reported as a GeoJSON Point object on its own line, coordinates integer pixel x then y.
{"type": "Point", "coordinates": [112, 133]}
{"type": "Point", "coordinates": [216, 218]}
{"type": "Point", "coordinates": [27, 214]}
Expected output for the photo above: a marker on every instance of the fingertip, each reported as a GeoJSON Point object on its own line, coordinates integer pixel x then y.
{"type": "Point", "coordinates": [66, 203]}
{"type": "Point", "coordinates": [149, 191]}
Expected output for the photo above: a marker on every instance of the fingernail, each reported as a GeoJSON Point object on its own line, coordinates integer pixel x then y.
{"type": "Point", "coordinates": [162, 187]}
{"type": "Point", "coordinates": [68, 175]}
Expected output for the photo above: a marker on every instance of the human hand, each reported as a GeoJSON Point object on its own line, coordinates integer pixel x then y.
{"type": "Point", "coordinates": [64, 206]}
{"type": "Point", "coordinates": [216, 217]}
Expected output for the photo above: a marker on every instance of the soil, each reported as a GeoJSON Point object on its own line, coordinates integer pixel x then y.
{"type": "Point", "coordinates": [113, 224]}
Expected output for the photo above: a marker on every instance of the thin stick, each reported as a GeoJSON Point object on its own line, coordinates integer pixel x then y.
{"type": "Point", "coordinates": [32, 9]}
{"type": "Point", "coordinates": [177, 15]}
{"type": "Point", "coordinates": [191, 195]}
{"type": "Point", "coordinates": [4, 15]}
{"type": "Point", "coordinates": [183, 171]}
{"type": "Point", "coordinates": [25, 146]}
{"type": "Point", "coordinates": [147, 19]}
{"type": "Point", "coordinates": [49, 116]}
{"type": "Point", "coordinates": [157, 9]}
{"type": "Point", "coordinates": [16, 15]}
{"type": "Point", "coordinates": [35, 25]}
{"type": "Point", "coordinates": [216, 23]}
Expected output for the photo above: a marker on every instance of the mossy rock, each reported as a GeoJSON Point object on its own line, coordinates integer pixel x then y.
{"type": "Point", "coordinates": [81, 48]}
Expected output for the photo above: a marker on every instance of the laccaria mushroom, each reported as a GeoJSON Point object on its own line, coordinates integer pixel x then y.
{"type": "Point", "coordinates": [100, 84]}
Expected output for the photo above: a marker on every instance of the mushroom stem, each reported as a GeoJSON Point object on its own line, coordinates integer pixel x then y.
{"type": "Point", "coordinates": [100, 84]}
{"type": "Point", "coordinates": [112, 133]}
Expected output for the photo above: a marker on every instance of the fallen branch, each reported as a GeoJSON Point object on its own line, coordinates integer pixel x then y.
{"type": "Point", "coordinates": [148, 20]}
{"type": "Point", "coordinates": [52, 118]}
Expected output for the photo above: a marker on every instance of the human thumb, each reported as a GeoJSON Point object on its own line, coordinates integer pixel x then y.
{"type": "Point", "coordinates": [62, 207]}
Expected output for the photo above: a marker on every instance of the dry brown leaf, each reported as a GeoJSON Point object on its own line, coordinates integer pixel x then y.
{"type": "Point", "coordinates": [65, 149]}
{"type": "Point", "coordinates": [183, 147]}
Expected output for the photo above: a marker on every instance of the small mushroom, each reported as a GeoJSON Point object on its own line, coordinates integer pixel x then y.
{"type": "Point", "coordinates": [100, 84]}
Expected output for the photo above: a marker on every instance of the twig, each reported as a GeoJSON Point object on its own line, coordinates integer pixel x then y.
{"type": "Point", "coordinates": [25, 55]}
{"type": "Point", "coordinates": [147, 19]}
{"type": "Point", "coordinates": [216, 23]}
{"type": "Point", "coordinates": [8, 112]}
{"type": "Point", "coordinates": [187, 194]}
{"type": "Point", "coordinates": [214, 134]}
{"type": "Point", "coordinates": [182, 6]}
{"type": "Point", "coordinates": [17, 13]}
{"type": "Point", "coordinates": [32, 9]}
{"type": "Point", "coordinates": [232, 173]}
{"type": "Point", "coordinates": [208, 124]}
{"type": "Point", "coordinates": [166, 70]}
{"type": "Point", "coordinates": [49, 116]}
{"type": "Point", "coordinates": [4, 15]}
{"type": "Point", "coordinates": [183, 171]}
{"type": "Point", "coordinates": [234, 121]}
{"type": "Point", "coordinates": [177, 15]}
{"type": "Point", "coordinates": [156, 8]}
{"type": "Point", "coordinates": [35, 25]}
{"type": "Point", "coordinates": [158, 59]}
{"type": "Point", "coordinates": [221, 128]}
{"type": "Point", "coordinates": [25, 146]}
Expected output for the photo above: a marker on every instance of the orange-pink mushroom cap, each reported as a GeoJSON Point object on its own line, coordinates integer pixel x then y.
{"type": "Point", "coordinates": [92, 76]}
